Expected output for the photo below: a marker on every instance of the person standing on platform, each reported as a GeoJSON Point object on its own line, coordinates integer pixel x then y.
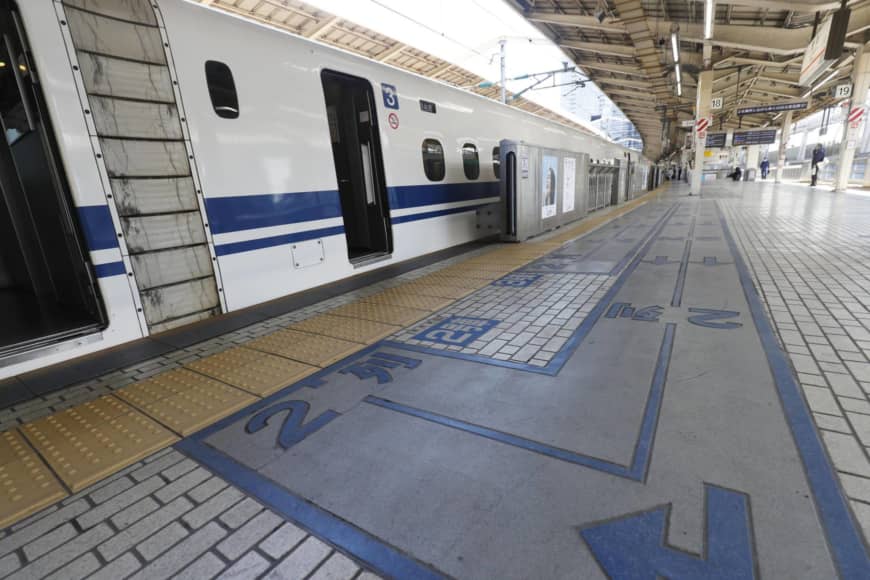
{"type": "Point", "coordinates": [818, 157]}
{"type": "Point", "coordinates": [765, 168]}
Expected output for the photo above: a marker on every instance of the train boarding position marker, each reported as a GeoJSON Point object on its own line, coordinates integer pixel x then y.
{"type": "Point", "coordinates": [856, 115]}
{"type": "Point", "coordinates": [701, 128]}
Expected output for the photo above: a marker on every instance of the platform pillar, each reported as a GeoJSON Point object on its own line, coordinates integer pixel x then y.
{"type": "Point", "coordinates": [852, 131]}
{"type": "Point", "coordinates": [784, 135]}
{"type": "Point", "coordinates": [702, 111]}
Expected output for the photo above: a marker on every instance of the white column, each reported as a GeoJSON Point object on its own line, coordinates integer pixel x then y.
{"type": "Point", "coordinates": [702, 111]}
{"type": "Point", "coordinates": [752, 157]}
{"type": "Point", "coordinates": [860, 84]}
{"type": "Point", "coordinates": [784, 135]}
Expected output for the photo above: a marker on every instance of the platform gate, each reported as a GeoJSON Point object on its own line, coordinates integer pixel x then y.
{"type": "Point", "coordinates": [603, 178]}
{"type": "Point", "coordinates": [139, 132]}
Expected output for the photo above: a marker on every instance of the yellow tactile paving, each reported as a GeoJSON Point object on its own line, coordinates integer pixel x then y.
{"type": "Point", "coordinates": [386, 313]}
{"type": "Point", "coordinates": [470, 272]}
{"type": "Point", "coordinates": [438, 290]}
{"type": "Point", "coordinates": [26, 483]}
{"type": "Point", "coordinates": [90, 441]}
{"type": "Point", "coordinates": [312, 349]}
{"type": "Point", "coordinates": [257, 372]}
{"type": "Point", "coordinates": [185, 401]}
{"type": "Point", "coordinates": [352, 329]}
{"type": "Point", "coordinates": [440, 279]}
{"type": "Point", "coordinates": [408, 299]}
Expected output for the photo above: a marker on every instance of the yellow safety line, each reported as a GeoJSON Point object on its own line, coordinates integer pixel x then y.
{"type": "Point", "coordinates": [482, 268]}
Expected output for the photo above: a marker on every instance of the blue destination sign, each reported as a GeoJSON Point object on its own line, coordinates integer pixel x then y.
{"type": "Point", "coordinates": [764, 137]}
{"type": "Point", "coordinates": [715, 140]}
{"type": "Point", "coordinates": [772, 108]}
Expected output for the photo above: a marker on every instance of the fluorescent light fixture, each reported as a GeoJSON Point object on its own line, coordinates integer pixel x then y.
{"type": "Point", "coordinates": [679, 90]}
{"type": "Point", "coordinates": [709, 9]}
{"type": "Point", "coordinates": [828, 78]}
{"type": "Point", "coordinates": [818, 85]}
{"type": "Point", "coordinates": [777, 116]}
{"type": "Point", "coordinates": [679, 76]}
{"type": "Point", "coordinates": [675, 46]}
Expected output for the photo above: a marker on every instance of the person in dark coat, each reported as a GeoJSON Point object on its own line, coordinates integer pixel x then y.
{"type": "Point", "coordinates": [818, 157]}
{"type": "Point", "coordinates": [765, 168]}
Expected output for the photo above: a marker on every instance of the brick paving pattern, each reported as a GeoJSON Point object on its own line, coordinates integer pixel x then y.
{"type": "Point", "coordinates": [166, 517]}
{"type": "Point", "coordinates": [810, 261]}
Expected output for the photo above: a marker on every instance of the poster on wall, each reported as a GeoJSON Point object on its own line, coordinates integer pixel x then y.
{"type": "Point", "coordinates": [549, 186]}
{"type": "Point", "coordinates": [569, 168]}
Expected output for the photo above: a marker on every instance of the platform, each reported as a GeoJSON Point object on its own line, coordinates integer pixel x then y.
{"type": "Point", "coordinates": [677, 388]}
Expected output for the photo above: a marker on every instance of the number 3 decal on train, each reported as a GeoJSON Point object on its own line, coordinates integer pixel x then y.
{"type": "Point", "coordinates": [391, 96]}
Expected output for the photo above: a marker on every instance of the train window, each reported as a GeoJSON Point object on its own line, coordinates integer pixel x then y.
{"type": "Point", "coordinates": [433, 159]}
{"type": "Point", "coordinates": [222, 89]}
{"type": "Point", "coordinates": [496, 162]}
{"type": "Point", "coordinates": [470, 161]}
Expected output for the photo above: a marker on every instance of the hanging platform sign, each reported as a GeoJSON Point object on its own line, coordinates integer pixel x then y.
{"type": "Point", "coordinates": [765, 137]}
{"type": "Point", "coordinates": [815, 62]}
{"type": "Point", "coordinates": [773, 108]}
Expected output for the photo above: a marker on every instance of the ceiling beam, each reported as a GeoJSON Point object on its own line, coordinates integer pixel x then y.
{"type": "Point", "coordinates": [576, 21]}
{"type": "Point", "coordinates": [621, 69]}
{"type": "Point", "coordinates": [620, 50]}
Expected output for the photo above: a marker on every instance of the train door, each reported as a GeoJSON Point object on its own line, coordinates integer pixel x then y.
{"type": "Point", "coordinates": [47, 290]}
{"type": "Point", "coordinates": [616, 173]}
{"type": "Point", "coordinates": [359, 166]}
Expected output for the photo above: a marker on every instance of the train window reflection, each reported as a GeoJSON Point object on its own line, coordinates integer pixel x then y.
{"type": "Point", "coordinates": [470, 161]}
{"type": "Point", "coordinates": [433, 159]}
{"type": "Point", "coordinates": [222, 89]}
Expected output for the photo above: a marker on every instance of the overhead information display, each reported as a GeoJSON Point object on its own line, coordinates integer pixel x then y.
{"type": "Point", "coordinates": [773, 108]}
{"type": "Point", "coordinates": [715, 140]}
{"type": "Point", "coordinates": [765, 137]}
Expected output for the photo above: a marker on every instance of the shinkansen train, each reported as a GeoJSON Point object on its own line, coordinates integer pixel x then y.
{"type": "Point", "coordinates": [165, 162]}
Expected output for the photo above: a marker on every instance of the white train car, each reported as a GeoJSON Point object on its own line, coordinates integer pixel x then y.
{"type": "Point", "coordinates": [165, 162]}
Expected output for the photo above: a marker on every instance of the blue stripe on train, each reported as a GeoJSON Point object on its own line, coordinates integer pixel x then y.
{"type": "Point", "coordinates": [245, 212]}
{"type": "Point", "coordinates": [248, 212]}
{"type": "Point", "coordinates": [97, 226]}
{"type": "Point", "coordinates": [248, 245]}
{"type": "Point", "coordinates": [110, 269]}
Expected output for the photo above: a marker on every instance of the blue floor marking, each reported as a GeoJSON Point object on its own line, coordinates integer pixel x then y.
{"type": "Point", "coordinates": [635, 547]}
{"type": "Point", "coordinates": [362, 545]}
{"type": "Point", "coordinates": [579, 335]}
{"type": "Point", "coordinates": [845, 539]}
{"type": "Point", "coordinates": [367, 548]}
{"type": "Point", "coordinates": [677, 298]}
{"type": "Point", "coordinates": [641, 455]}
{"type": "Point", "coordinates": [617, 267]}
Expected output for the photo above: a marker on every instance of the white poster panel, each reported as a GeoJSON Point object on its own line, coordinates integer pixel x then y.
{"type": "Point", "coordinates": [569, 168]}
{"type": "Point", "coordinates": [549, 186]}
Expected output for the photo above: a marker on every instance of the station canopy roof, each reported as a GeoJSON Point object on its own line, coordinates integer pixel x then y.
{"type": "Point", "coordinates": [756, 52]}
{"type": "Point", "coordinates": [309, 22]}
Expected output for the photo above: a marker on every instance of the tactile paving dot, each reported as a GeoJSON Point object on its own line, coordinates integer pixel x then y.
{"type": "Point", "coordinates": [386, 313]}
{"type": "Point", "coordinates": [257, 372]}
{"type": "Point", "coordinates": [437, 290]}
{"type": "Point", "coordinates": [87, 442]}
{"type": "Point", "coordinates": [313, 349]}
{"type": "Point", "coordinates": [185, 401]}
{"type": "Point", "coordinates": [353, 329]}
{"type": "Point", "coordinates": [26, 483]}
{"type": "Point", "coordinates": [409, 299]}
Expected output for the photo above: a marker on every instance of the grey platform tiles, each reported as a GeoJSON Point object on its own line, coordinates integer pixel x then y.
{"type": "Point", "coordinates": [665, 436]}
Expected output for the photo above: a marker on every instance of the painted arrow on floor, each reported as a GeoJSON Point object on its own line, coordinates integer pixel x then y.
{"type": "Point", "coordinates": [634, 547]}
